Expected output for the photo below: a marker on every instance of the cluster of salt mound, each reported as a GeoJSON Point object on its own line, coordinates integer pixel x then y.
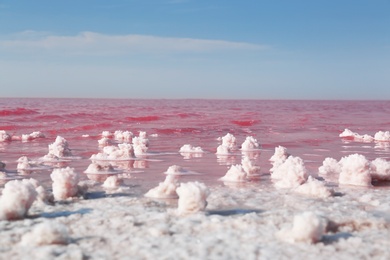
{"type": "Point", "coordinates": [380, 136]}
{"type": "Point", "coordinates": [4, 136]}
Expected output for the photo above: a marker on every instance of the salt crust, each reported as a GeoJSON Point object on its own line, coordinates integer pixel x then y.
{"type": "Point", "coordinates": [249, 144]}
{"type": "Point", "coordinates": [236, 173]}
{"type": "Point", "coordinates": [46, 233]}
{"type": "Point", "coordinates": [291, 173]}
{"type": "Point", "coordinates": [123, 151]}
{"type": "Point", "coordinates": [330, 169]}
{"type": "Point", "coordinates": [17, 198]}
{"type": "Point", "coordinates": [380, 169]}
{"type": "Point", "coordinates": [192, 197]}
{"type": "Point", "coordinates": [382, 136]}
{"type": "Point", "coordinates": [314, 188]}
{"type": "Point", "coordinates": [165, 190]}
{"type": "Point", "coordinates": [65, 183]}
{"type": "Point", "coordinates": [307, 227]}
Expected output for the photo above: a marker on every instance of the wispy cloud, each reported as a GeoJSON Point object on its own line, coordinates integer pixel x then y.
{"type": "Point", "coordinates": [91, 43]}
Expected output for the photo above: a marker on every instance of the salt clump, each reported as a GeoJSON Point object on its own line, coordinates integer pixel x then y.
{"type": "Point", "coordinates": [65, 183]}
{"type": "Point", "coordinates": [291, 173]}
{"type": "Point", "coordinates": [58, 149]}
{"type": "Point", "coordinates": [176, 170]}
{"type": "Point", "coordinates": [250, 143]}
{"type": "Point", "coordinates": [307, 227]}
{"type": "Point", "coordinates": [355, 170]}
{"type": "Point", "coordinates": [105, 141]}
{"type": "Point", "coordinates": [249, 167]}
{"type": "Point", "coordinates": [123, 151]}
{"type": "Point", "coordinates": [349, 134]}
{"type": "Point", "coordinates": [314, 187]}
{"type": "Point", "coordinates": [16, 200]}
{"type": "Point", "coordinates": [112, 182]}
{"type": "Point", "coordinates": [192, 197]}
{"type": "Point", "coordinates": [165, 190]}
{"type": "Point", "coordinates": [279, 157]}
{"type": "Point", "coordinates": [46, 233]}
{"type": "Point", "coordinates": [32, 136]}
{"type": "Point", "coordinates": [140, 143]}
{"type": "Point", "coordinates": [4, 136]}
{"type": "Point", "coordinates": [107, 134]}
{"type": "Point", "coordinates": [235, 174]}
{"type": "Point", "coordinates": [123, 136]}
{"type": "Point", "coordinates": [330, 169]}
{"type": "Point", "coordinates": [380, 170]}
{"type": "Point", "coordinates": [228, 144]}
{"type": "Point", "coordinates": [100, 168]}
{"type": "Point", "coordinates": [382, 136]}
{"type": "Point", "coordinates": [24, 163]}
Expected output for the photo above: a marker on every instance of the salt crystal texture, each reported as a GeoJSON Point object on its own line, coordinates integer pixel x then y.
{"type": "Point", "coordinates": [355, 170]}
{"type": "Point", "coordinates": [278, 158]}
{"type": "Point", "coordinates": [59, 148]}
{"type": "Point", "coordinates": [16, 200]}
{"type": "Point", "coordinates": [291, 173]}
{"type": "Point", "coordinates": [382, 136]}
{"type": "Point", "coordinates": [235, 174]}
{"type": "Point", "coordinates": [192, 197]}
{"type": "Point", "coordinates": [349, 134]}
{"type": "Point", "coordinates": [250, 143]}
{"type": "Point", "coordinates": [315, 188]}
{"type": "Point", "coordinates": [165, 190]}
{"type": "Point", "coordinates": [307, 227]}
{"type": "Point", "coordinates": [46, 233]}
{"type": "Point", "coordinates": [380, 170]}
{"type": "Point", "coordinates": [330, 169]}
{"type": "Point", "coordinates": [65, 183]}
{"type": "Point", "coordinates": [123, 136]}
{"type": "Point", "coordinates": [228, 144]}
{"type": "Point", "coordinates": [4, 136]}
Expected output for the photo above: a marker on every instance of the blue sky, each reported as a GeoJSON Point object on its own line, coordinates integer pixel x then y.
{"type": "Point", "coordinates": [257, 49]}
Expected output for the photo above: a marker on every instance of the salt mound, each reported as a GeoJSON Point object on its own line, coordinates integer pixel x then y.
{"type": "Point", "coordinates": [235, 174]}
{"type": "Point", "coordinates": [349, 134]}
{"type": "Point", "coordinates": [123, 136]}
{"type": "Point", "coordinates": [105, 141]}
{"type": "Point", "coordinates": [46, 233]}
{"type": "Point", "coordinates": [192, 197]}
{"type": "Point", "coordinates": [228, 144]}
{"type": "Point", "coordinates": [278, 158]}
{"type": "Point", "coordinates": [32, 136]}
{"type": "Point", "coordinates": [140, 144]}
{"type": "Point", "coordinates": [330, 169]}
{"type": "Point", "coordinates": [355, 170]}
{"type": "Point", "coordinates": [315, 188]}
{"type": "Point", "coordinates": [112, 182]}
{"type": "Point", "coordinates": [382, 136]}
{"type": "Point", "coordinates": [17, 198]}
{"type": "Point", "coordinates": [307, 227]}
{"type": "Point", "coordinates": [65, 183]}
{"type": "Point", "coordinates": [187, 148]}
{"type": "Point", "coordinates": [249, 167]}
{"type": "Point", "coordinates": [380, 170]}
{"type": "Point", "coordinates": [291, 173]}
{"type": "Point", "coordinates": [100, 168]}
{"type": "Point", "coordinates": [165, 190]}
{"type": "Point", "coordinates": [58, 149]}
{"type": "Point", "coordinates": [176, 170]}
{"type": "Point", "coordinates": [123, 151]}
{"type": "Point", "coordinates": [4, 136]}
{"type": "Point", "coordinates": [250, 143]}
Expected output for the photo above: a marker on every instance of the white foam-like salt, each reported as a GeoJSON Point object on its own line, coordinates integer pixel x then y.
{"type": "Point", "coordinates": [249, 144]}
{"type": "Point", "coordinates": [65, 183]}
{"type": "Point", "coordinates": [192, 197]}
{"type": "Point", "coordinates": [236, 173]}
{"type": "Point", "coordinates": [291, 173]}
{"type": "Point", "coordinates": [46, 233]}
{"type": "Point", "coordinates": [165, 190]}
{"type": "Point", "coordinates": [355, 170]}
{"type": "Point", "coordinates": [314, 188]}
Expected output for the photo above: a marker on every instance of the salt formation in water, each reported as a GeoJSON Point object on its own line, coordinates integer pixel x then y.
{"type": "Point", "coordinates": [307, 227]}
{"type": "Point", "coordinates": [382, 136]}
{"type": "Point", "coordinates": [177, 170]}
{"type": "Point", "coordinates": [4, 136]}
{"type": "Point", "coordinates": [16, 200]}
{"type": "Point", "coordinates": [123, 151]}
{"type": "Point", "coordinates": [279, 157]}
{"type": "Point", "coordinates": [349, 134]}
{"type": "Point", "coordinates": [107, 134]}
{"type": "Point", "coordinates": [187, 148]}
{"type": "Point", "coordinates": [380, 170]}
{"type": "Point", "coordinates": [123, 136]}
{"type": "Point", "coordinates": [24, 163]}
{"type": "Point", "coordinates": [65, 183]}
{"type": "Point", "coordinates": [46, 233]}
{"type": "Point", "coordinates": [105, 141]}
{"type": "Point", "coordinates": [140, 143]}
{"type": "Point", "coordinates": [330, 169]}
{"type": "Point", "coordinates": [249, 167]}
{"type": "Point", "coordinates": [165, 190]}
{"type": "Point", "coordinates": [58, 149]}
{"type": "Point", "coordinates": [112, 182]}
{"type": "Point", "coordinates": [100, 168]}
{"type": "Point", "coordinates": [355, 170]}
{"type": "Point", "coordinates": [192, 197]}
{"type": "Point", "coordinates": [291, 173]}
{"type": "Point", "coordinates": [32, 136]}
{"type": "Point", "coordinates": [250, 143]}
{"type": "Point", "coordinates": [235, 174]}
{"type": "Point", "coordinates": [315, 188]}
{"type": "Point", "coordinates": [228, 144]}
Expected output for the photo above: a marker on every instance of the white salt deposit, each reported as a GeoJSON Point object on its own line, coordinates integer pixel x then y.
{"type": "Point", "coordinates": [223, 150]}
{"type": "Point", "coordinates": [4, 136]}
{"type": "Point", "coordinates": [349, 134]}
{"type": "Point", "coordinates": [192, 197]}
{"type": "Point", "coordinates": [112, 182]}
{"type": "Point", "coordinates": [105, 141]}
{"type": "Point", "coordinates": [330, 169]}
{"type": "Point", "coordinates": [123, 136]}
{"type": "Point", "coordinates": [187, 148]}
{"type": "Point", "coordinates": [382, 136]}
{"type": "Point", "coordinates": [65, 183]}
{"type": "Point", "coordinates": [24, 163]}
{"type": "Point", "coordinates": [46, 233]}
{"type": "Point", "coordinates": [307, 227]}
{"type": "Point", "coordinates": [165, 190]}
{"type": "Point", "coordinates": [249, 167]}
{"type": "Point", "coordinates": [291, 173]}
{"type": "Point", "coordinates": [380, 169]}
{"type": "Point", "coordinates": [278, 157]}
{"type": "Point", "coordinates": [236, 173]}
{"type": "Point", "coordinates": [2, 166]}
{"type": "Point", "coordinates": [228, 144]}
{"type": "Point", "coordinates": [355, 170]}
{"type": "Point", "coordinates": [315, 188]}
{"type": "Point", "coordinates": [104, 168]}
{"type": "Point", "coordinates": [176, 170]}
{"type": "Point", "coordinates": [107, 134]}
{"type": "Point", "coordinates": [123, 151]}
{"type": "Point", "coordinates": [16, 200]}
{"type": "Point", "coordinates": [250, 143]}
{"type": "Point", "coordinates": [32, 136]}
{"type": "Point", "coordinates": [58, 149]}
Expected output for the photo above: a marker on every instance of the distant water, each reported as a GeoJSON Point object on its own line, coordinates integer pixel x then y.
{"type": "Point", "coordinates": [308, 129]}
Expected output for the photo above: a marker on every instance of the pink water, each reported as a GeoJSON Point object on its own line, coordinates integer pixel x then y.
{"type": "Point", "coordinates": [308, 129]}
